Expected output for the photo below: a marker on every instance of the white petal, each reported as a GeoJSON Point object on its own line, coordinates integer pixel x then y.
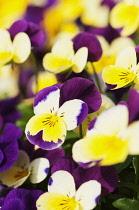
{"type": "Point", "coordinates": [39, 170]}
{"type": "Point", "coordinates": [62, 182]}
{"type": "Point", "coordinates": [127, 58]}
{"type": "Point", "coordinates": [47, 101]}
{"type": "Point", "coordinates": [80, 60]}
{"type": "Point", "coordinates": [133, 136]}
{"type": "Point", "coordinates": [112, 121]}
{"type": "Point", "coordinates": [5, 41]}
{"type": "Point", "coordinates": [63, 48]}
{"type": "Point", "coordinates": [87, 194]}
{"type": "Point", "coordinates": [23, 160]}
{"type": "Point", "coordinates": [22, 47]}
{"type": "Point", "coordinates": [73, 113]}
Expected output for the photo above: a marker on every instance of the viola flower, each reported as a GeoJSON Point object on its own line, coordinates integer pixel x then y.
{"type": "Point", "coordinates": [110, 51]}
{"type": "Point", "coordinates": [124, 71]}
{"type": "Point", "coordinates": [125, 15]}
{"type": "Point", "coordinates": [107, 175]}
{"type": "Point", "coordinates": [9, 146]}
{"type": "Point", "coordinates": [21, 199]}
{"type": "Point", "coordinates": [23, 169]}
{"type": "Point", "coordinates": [18, 50]}
{"type": "Point", "coordinates": [110, 140]}
{"type": "Point", "coordinates": [63, 57]}
{"type": "Point", "coordinates": [62, 193]}
{"type": "Point", "coordinates": [54, 112]}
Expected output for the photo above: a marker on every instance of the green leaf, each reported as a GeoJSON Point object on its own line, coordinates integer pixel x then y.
{"type": "Point", "coordinates": [126, 204]}
{"type": "Point", "coordinates": [119, 167]}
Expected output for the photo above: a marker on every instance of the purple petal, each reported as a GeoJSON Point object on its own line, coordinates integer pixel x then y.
{"type": "Point", "coordinates": [37, 140]}
{"type": "Point", "coordinates": [91, 125]}
{"type": "Point", "coordinates": [17, 27]}
{"type": "Point", "coordinates": [83, 89]}
{"type": "Point", "coordinates": [109, 3]}
{"type": "Point", "coordinates": [91, 42]}
{"type": "Point", "coordinates": [11, 133]}
{"type": "Point", "coordinates": [13, 204]}
{"type": "Point", "coordinates": [34, 14]}
{"type": "Point", "coordinates": [66, 163]}
{"type": "Point", "coordinates": [133, 101]}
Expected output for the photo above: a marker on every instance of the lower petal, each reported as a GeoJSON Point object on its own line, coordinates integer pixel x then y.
{"type": "Point", "coordinates": [56, 201]}
{"type": "Point", "coordinates": [46, 130]}
{"type": "Point", "coordinates": [118, 76]}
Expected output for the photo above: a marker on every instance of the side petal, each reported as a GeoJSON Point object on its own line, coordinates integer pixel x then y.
{"type": "Point", "coordinates": [62, 182]}
{"type": "Point", "coordinates": [22, 47]}
{"type": "Point", "coordinates": [46, 130]}
{"type": "Point", "coordinates": [118, 76]}
{"type": "Point", "coordinates": [6, 43]}
{"type": "Point", "coordinates": [23, 160]}
{"type": "Point", "coordinates": [73, 113]}
{"type": "Point", "coordinates": [80, 59]}
{"type": "Point", "coordinates": [39, 169]}
{"type": "Point", "coordinates": [88, 194]}
{"type": "Point", "coordinates": [47, 100]}
{"type": "Point", "coordinates": [55, 63]}
{"type": "Point", "coordinates": [127, 58]}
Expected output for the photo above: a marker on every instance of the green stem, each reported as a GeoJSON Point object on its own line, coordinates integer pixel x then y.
{"type": "Point", "coordinates": [129, 185]}
{"type": "Point", "coordinates": [36, 67]}
{"type": "Point", "coordinates": [68, 74]}
{"type": "Point", "coordinates": [136, 166]}
{"type": "Point", "coordinates": [80, 131]}
{"type": "Point", "coordinates": [97, 79]}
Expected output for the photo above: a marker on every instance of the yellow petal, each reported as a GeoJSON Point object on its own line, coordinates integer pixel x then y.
{"type": "Point", "coordinates": [53, 127]}
{"type": "Point", "coordinates": [126, 16]}
{"type": "Point", "coordinates": [22, 47]}
{"type": "Point", "coordinates": [56, 64]}
{"type": "Point", "coordinates": [56, 201]}
{"type": "Point", "coordinates": [116, 75]}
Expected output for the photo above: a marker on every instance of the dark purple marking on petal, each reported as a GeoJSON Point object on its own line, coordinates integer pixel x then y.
{"type": "Point", "coordinates": [37, 140]}
{"type": "Point", "coordinates": [85, 165]}
{"type": "Point", "coordinates": [109, 3]}
{"type": "Point", "coordinates": [83, 114]}
{"type": "Point", "coordinates": [90, 41]}
{"type": "Point", "coordinates": [83, 89]}
{"type": "Point", "coordinates": [42, 95]}
{"type": "Point", "coordinates": [50, 182]}
{"type": "Point", "coordinates": [109, 86]}
{"type": "Point", "coordinates": [97, 199]}
{"type": "Point", "coordinates": [91, 125]}
{"type": "Point", "coordinates": [46, 170]}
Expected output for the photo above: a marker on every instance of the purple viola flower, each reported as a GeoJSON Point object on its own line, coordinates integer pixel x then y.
{"type": "Point", "coordinates": [35, 33]}
{"type": "Point", "coordinates": [106, 176]}
{"type": "Point", "coordinates": [8, 111]}
{"type": "Point", "coordinates": [21, 199]}
{"type": "Point", "coordinates": [9, 146]}
{"type": "Point", "coordinates": [91, 42]}
{"type": "Point", "coordinates": [58, 110]}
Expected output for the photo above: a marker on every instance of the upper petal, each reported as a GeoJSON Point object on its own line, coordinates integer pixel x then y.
{"type": "Point", "coordinates": [73, 113]}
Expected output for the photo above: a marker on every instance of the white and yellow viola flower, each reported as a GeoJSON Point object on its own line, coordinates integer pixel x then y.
{"type": "Point", "coordinates": [124, 71]}
{"type": "Point", "coordinates": [125, 15]}
{"type": "Point", "coordinates": [106, 104]}
{"type": "Point", "coordinates": [17, 50]}
{"type": "Point", "coordinates": [110, 51]}
{"type": "Point", "coordinates": [110, 140]}
{"type": "Point", "coordinates": [63, 195]}
{"type": "Point", "coordinates": [48, 127]}
{"type": "Point", "coordinates": [63, 57]}
{"type": "Point", "coordinates": [36, 170]}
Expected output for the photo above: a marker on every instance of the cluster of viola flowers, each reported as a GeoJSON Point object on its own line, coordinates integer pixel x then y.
{"type": "Point", "coordinates": [69, 105]}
